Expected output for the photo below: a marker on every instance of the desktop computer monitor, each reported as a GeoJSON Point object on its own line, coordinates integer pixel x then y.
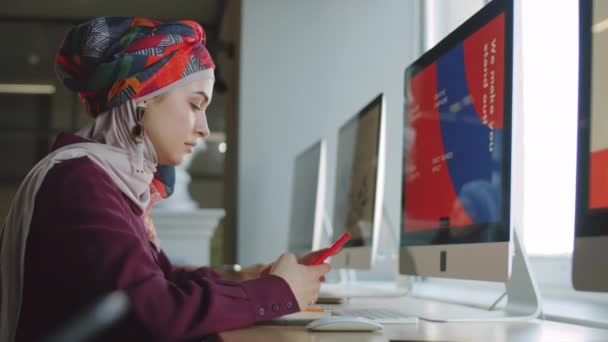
{"type": "Point", "coordinates": [456, 218]}
{"type": "Point", "coordinates": [359, 185]}
{"type": "Point", "coordinates": [590, 256]}
{"type": "Point", "coordinates": [307, 199]}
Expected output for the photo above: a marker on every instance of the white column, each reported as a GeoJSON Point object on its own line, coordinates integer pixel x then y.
{"type": "Point", "coordinates": [184, 229]}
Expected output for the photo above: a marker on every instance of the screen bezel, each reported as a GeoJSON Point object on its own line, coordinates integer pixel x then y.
{"type": "Point", "coordinates": [356, 255]}
{"type": "Point", "coordinates": [588, 221]}
{"type": "Point", "coordinates": [376, 102]}
{"type": "Point", "coordinates": [590, 253]}
{"type": "Point", "coordinates": [318, 147]}
{"type": "Point", "coordinates": [472, 233]}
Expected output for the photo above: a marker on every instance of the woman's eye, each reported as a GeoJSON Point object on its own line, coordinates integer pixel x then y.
{"type": "Point", "coordinates": [195, 107]}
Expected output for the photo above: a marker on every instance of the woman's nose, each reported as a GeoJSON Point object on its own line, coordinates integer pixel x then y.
{"type": "Point", "coordinates": [201, 127]}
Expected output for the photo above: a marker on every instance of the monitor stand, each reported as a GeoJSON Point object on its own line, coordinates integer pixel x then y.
{"type": "Point", "coordinates": [523, 299]}
{"type": "Point", "coordinates": [348, 286]}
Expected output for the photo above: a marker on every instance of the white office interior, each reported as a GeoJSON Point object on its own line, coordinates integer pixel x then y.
{"type": "Point", "coordinates": [333, 60]}
{"type": "Point", "coordinates": [298, 70]}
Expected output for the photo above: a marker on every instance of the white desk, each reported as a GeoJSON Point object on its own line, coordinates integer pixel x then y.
{"type": "Point", "coordinates": [537, 330]}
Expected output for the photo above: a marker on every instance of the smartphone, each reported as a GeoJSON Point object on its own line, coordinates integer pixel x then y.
{"type": "Point", "coordinates": [334, 247]}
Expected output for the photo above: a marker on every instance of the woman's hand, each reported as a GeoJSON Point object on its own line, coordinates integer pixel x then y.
{"type": "Point", "coordinates": [312, 256]}
{"type": "Point", "coordinates": [304, 280]}
{"type": "Point", "coordinates": [305, 260]}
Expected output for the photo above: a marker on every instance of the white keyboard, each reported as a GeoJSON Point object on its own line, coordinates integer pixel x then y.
{"type": "Point", "coordinates": [380, 315]}
{"type": "Point", "coordinates": [361, 290]}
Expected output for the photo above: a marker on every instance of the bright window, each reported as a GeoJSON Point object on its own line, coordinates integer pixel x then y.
{"type": "Point", "coordinates": [550, 105]}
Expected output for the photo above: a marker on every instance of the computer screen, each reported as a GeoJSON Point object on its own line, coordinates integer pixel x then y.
{"type": "Point", "coordinates": [359, 185]}
{"type": "Point", "coordinates": [457, 158]}
{"type": "Point", "coordinates": [307, 199]}
{"type": "Point", "coordinates": [591, 240]}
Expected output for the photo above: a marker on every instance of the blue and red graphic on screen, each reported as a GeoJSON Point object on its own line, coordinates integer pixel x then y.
{"type": "Point", "coordinates": [456, 108]}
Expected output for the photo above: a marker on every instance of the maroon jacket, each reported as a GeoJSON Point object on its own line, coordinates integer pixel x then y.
{"type": "Point", "coordinates": [88, 239]}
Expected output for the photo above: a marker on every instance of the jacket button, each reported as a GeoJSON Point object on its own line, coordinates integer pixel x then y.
{"type": "Point", "coordinates": [261, 311]}
{"type": "Point", "coordinates": [289, 305]}
{"type": "Point", "coordinates": [275, 308]}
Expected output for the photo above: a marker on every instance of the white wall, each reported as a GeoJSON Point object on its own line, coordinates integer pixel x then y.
{"type": "Point", "coordinates": [444, 16]}
{"type": "Point", "coordinates": [306, 67]}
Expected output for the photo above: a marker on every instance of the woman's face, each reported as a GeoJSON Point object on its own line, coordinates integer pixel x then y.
{"type": "Point", "coordinates": [176, 120]}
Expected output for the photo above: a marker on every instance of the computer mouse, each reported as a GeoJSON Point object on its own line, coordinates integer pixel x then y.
{"type": "Point", "coordinates": [344, 323]}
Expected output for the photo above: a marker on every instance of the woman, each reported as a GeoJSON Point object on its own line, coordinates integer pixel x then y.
{"type": "Point", "coordinates": [76, 229]}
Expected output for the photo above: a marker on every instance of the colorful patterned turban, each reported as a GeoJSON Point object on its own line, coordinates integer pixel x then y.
{"type": "Point", "coordinates": [111, 60]}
